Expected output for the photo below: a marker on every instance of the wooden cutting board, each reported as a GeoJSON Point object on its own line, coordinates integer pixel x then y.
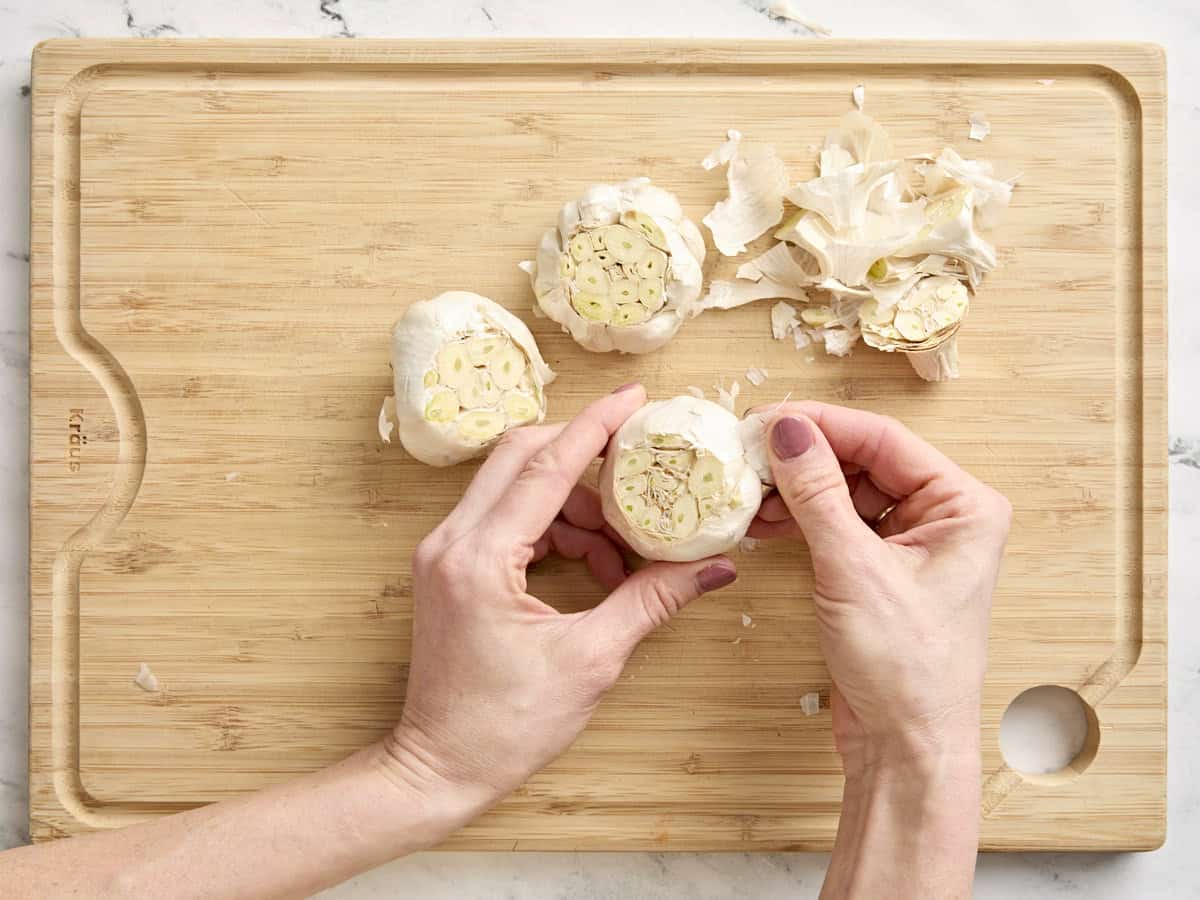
{"type": "Point", "coordinates": [223, 234]}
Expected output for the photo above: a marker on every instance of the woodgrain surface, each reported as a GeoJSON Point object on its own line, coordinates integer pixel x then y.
{"type": "Point", "coordinates": [224, 232]}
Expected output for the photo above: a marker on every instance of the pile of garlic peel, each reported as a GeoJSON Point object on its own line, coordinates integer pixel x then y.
{"type": "Point", "coordinates": [880, 248]}
{"type": "Point", "coordinates": [465, 371]}
{"type": "Point", "coordinates": [622, 269]}
{"type": "Point", "coordinates": [678, 482]}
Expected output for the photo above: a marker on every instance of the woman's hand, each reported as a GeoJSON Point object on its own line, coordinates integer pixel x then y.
{"type": "Point", "coordinates": [906, 548]}
{"type": "Point", "coordinates": [500, 683]}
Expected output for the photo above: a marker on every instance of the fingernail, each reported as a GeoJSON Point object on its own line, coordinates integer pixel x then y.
{"type": "Point", "coordinates": [716, 576]}
{"type": "Point", "coordinates": [791, 437]}
{"type": "Point", "coordinates": [626, 387]}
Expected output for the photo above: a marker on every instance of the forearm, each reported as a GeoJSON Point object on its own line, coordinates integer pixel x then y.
{"type": "Point", "coordinates": [908, 830]}
{"type": "Point", "coordinates": [290, 840]}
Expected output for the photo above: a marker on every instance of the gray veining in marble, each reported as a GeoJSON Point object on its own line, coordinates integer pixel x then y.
{"type": "Point", "coordinates": [1173, 872]}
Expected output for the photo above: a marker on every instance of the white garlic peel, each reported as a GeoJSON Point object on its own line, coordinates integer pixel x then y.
{"type": "Point", "coordinates": [465, 371]}
{"type": "Point", "coordinates": [757, 181]}
{"type": "Point", "coordinates": [676, 483]}
{"type": "Point", "coordinates": [884, 249]}
{"type": "Point", "coordinates": [622, 269]}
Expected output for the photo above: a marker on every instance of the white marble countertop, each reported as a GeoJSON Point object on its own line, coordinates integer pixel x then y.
{"type": "Point", "coordinates": [1171, 872]}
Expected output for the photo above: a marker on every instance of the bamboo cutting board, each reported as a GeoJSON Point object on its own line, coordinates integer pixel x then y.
{"type": "Point", "coordinates": [223, 234]}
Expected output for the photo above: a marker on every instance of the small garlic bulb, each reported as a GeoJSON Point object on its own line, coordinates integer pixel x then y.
{"type": "Point", "coordinates": [465, 371]}
{"type": "Point", "coordinates": [622, 269]}
{"type": "Point", "coordinates": [678, 483]}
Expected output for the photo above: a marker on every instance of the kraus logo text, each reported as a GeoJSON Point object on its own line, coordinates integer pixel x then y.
{"type": "Point", "coordinates": [76, 439]}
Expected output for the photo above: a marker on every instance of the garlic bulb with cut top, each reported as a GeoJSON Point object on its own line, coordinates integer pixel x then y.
{"type": "Point", "coordinates": [465, 371]}
{"type": "Point", "coordinates": [678, 482]}
{"type": "Point", "coordinates": [622, 269]}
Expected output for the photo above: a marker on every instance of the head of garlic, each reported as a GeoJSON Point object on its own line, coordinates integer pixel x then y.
{"type": "Point", "coordinates": [678, 481]}
{"type": "Point", "coordinates": [622, 269]}
{"type": "Point", "coordinates": [465, 371]}
{"type": "Point", "coordinates": [922, 324]}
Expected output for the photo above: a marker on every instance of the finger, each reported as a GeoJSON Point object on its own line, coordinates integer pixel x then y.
{"type": "Point", "coordinates": [869, 501]}
{"type": "Point", "coordinates": [541, 488]}
{"type": "Point", "coordinates": [767, 531]}
{"type": "Point", "coordinates": [582, 508]}
{"type": "Point", "coordinates": [498, 471]}
{"type": "Point", "coordinates": [773, 509]}
{"type": "Point", "coordinates": [810, 481]}
{"type": "Point", "coordinates": [651, 596]}
{"type": "Point", "coordinates": [899, 462]}
{"type": "Point", "coordinates": [603, 559]}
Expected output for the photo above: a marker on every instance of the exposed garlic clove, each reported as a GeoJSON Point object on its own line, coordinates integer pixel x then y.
{"type": "Point", "coordinates": [482, 350]}
{"type": "Point", "coordinates": [481, 424]}
{"type": "Point", "coordinates": [633, 486]}
{"type": "Point", "coordinates": [633, 506]}
{"type": "Point", "coordinates": [816, 316]}
{"type": "Point", "coordinates": [481, 391]}
{"type": "Point", "coordinates": [630, 314]}
{"type": "Point", "coordinates": [593, 307]}
{"type": "Point", "coordinates": [590, 278]}
{"type": "Point", "coordinates": [644, 225]}
{"type": "Point", "coordinates": [624, 290]}
{"type": "Point", "coordinates": [678, 461]}
{"type": "Point", "coordinates": [454, 365]}
{"type": "Point", "coordinates": [634, 462]}
{"type": "Point", "coordinates": [685, 517]}
{"type": "Point", "coordinates": [650, 293]}
{"type": "Point", "coordinates": [707, 476]}
{"type": "Point", "coordinates": [566, 266]}
{"type": "Point", "coordinates": [652, 263]}
{"type": "Point", "coordinates": [507, 367]}
{"type": "Point", "coordinates": [520, 408]}
{"type": "Point", "coordinates": [581, 247]}
{"type": "Point", "coordinates": [625, 245]}
{"type": "Point", "coordinates": [597, 238]}
{"type": "Point", "coordinates": [442, 406]}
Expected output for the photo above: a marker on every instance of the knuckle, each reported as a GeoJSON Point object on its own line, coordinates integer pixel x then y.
{"type": "Point", "coordinates": [548, 466]}
{"type": "Point", "coordinates": [603, 670]}
{"type": "Point", "coordinates": [660, 601]}
{"type": "Point", "coordinates": [426, 554]}
{"type": "Point", "coordinates": [519, 440]}
{"type": "Point", "coordinates": [803, 487]}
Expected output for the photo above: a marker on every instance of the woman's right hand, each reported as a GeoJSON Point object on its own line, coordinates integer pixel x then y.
{"type": "Point", "coordinates": [905, 549]}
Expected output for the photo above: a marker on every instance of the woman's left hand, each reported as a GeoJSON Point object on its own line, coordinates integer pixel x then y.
{"type": "Point", "coordinates": [501, 683]}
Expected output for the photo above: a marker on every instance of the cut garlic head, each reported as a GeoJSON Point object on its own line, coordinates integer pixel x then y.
{"type": "Point", "coordinates": [927, 315]}
{"type": "Point", "coordinates": [465, 371]}
{"type": "Point", "coordinates": [676, 483]}
{"type": "Point", "coordinates": [622, 269]}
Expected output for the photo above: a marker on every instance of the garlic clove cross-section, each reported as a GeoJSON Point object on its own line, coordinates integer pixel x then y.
{"type": "Point", "coordinates": [677, 481]}
{"type": "Point", "coordinates": [621, 270]}
{"type": "Point", "coordinates": [465, 371]}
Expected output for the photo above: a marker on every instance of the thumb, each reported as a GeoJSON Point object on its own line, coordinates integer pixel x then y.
{"type": "Point", "coordinates": [809, 478]}
{"type": "Point", "coordinates": [651, 596]}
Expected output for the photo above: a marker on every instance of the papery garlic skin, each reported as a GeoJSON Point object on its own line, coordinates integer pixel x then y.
{"type": "Point", "coordinates": [631, 296]}
{"type": "Point", "coordinates": [676, 483]}
{"type": "Point", "coordinates": [465, 371]}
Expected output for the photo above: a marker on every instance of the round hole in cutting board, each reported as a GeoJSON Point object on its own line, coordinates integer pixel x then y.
{"type": "Point", "coordinates": [1049, 733]}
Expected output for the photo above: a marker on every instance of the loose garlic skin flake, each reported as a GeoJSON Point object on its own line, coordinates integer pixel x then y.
{"type": "Point", "coordinates": [465, 371]}
{"type": "Point", "coordinates": [622, 269]}
{"type": "Point", "coordinates": [676, 483]}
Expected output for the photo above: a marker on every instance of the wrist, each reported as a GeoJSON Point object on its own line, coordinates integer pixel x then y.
{"type": "Point", "coordinates": [945, 747]}
{"type": "Point", "coordinates": [413, 783]}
